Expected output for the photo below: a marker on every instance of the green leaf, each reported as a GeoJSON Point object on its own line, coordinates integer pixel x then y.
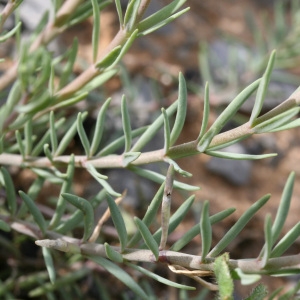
{"type": "Point", "coordinates": [147, 237]}
{"type": "Point", "coordinates": [238, 156]}
{"type": "Point", "coordinates": [156, 177]}
{"type": "Point", "coordinates": [113, 254]}
{"type": "Point", "coordinates": [120, 274]}
{"type": "Point", "coordinates": [205, 230]}
{"type": "Point", "coordinates": [181, 110]}
{"type": "Point", "coordinates": [9, 34]}
{"type": "Point", "coordinates": [82, 134]}
{"type": "Point", "coordinates": [130, 157]}
{"type": "Point", "coordinates": [99, 127]}
{"type": "Point", "coordinates": [195, 230]}
{"type": "Point", "coordinates": [287, 126]}
{"type": "Point", "coordinates": [53, 135]}
{"type": "Point", "coordinates": [150, 214]}
{"type": "Point", "coordinates": [159, 278]}
{"type": "Point", "coordinates": [262, 89]}
{"type": "Point", "coordinates": [226, 115]}
{"type": "Point", "coordinates": [87, 211]}
{"type": "Point", "coordinates": [153, 129]}
{"type": "Point", "coordinates": [160, 16]}
{"type": "Point", "coordinates": [96, 29]}
{"type": "Point", "coordinates": [276, 122]}
{"type": "Point", "coordinates": [286, 242]}
{"type": "Point", "coordinates": [268, 240]}
{"type": "Point", "coordinates": [28, 137]}
{"type": "Point", "coordinates": [206, 110]}
{"type": "Point", "coordinates": [10, 192]}
{"type": "Point", "coordinates": [177, 168]}
{"type": "Point", "coordinates": [33, 209]}
{"type": "Point", "coordinates": [131, 14]}
{"type": "Point", "coordinates": [167, 141]}
{"type": "Point", "coordinates": [4, 226]}
{"type": "Point", "coordinates": [48, 152]}
{"type": "Point", "coordinates": [258, 293]}
{"type": "Point", "coordinates": [223, 277]}
{"type": "Point", "coordinates": [109, 59]}
{"type": "Point", "coordinates": [69, 135]}
{"type": "Point", "coordinates": [119, 11]}
{"type": "Point", "coordinates": [118, 221]}
{"type": "Point", "coordinates": [49, 264]}
{"type": "Point", "coordinates": [238, 226]}
{"type": "Point", "coordinates": [126, 124]}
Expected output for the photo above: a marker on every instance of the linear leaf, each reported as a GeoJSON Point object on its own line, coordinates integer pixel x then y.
{"type": "Point", "coordinates": [287, 126]}
{"type": "Point", "coordinates": [262, 89]}
{"type": "Point", "coordinates": [238, 156]}
{"type": "Point", "coordinates": [205, 230]}
{"type": "Point", "coordinates": [268, 240]}
{"type": "Point", "coordinates": [110, 58]}
{"type": "Point", "coordinates": [99, 127]}
{"type": "Point", "coordinates": [53, 135]}
{"type": "Point", "coordinates": [96, 29]}
{"type": "Point", "coordinates": [48, 152]}
{"type": "Point", "coordinates": [120, 274]}
{"type": "Point", "coordinates": [87, 211]}
{"type": "Point", "coordinates": [130, 157]}
{"type": "Point", "coordinates": [167, 141]}
{"type": "Point", "coordinates": [227, 114]}
{"type": "Point", "coordinates": [147, 237]}
{"type": "Point", "coordinates": [126, 124]}
{"type": "Point", "coordinates": [177, 168]}
{"type": "Point", "coordinates": [33, 209]}
{"type": "Point", "coordinates": [119, 11]}
{"type": "Point", "coordinates": [156, 177]}
{"type": "Point", "coordinates": [49, 264]}
{"type": "Point", "coordinates": [206, 110]}
{"type": "Point", "coordinates": [82, 134]}
{"type": "Point", "coordinates": [9, 34]}
{"type": "Point", "coordinates": [112, 254]}
{"type": "Point", "coordinates": [131, 14]}
{"type": "Point", "coordinates": [159, 278]}
{"type": "Point", "coordinates": [181, 110]}
{"type": "Point", "coordinates": [118, 221]}
{"type": "Point", "coordinates": [238, 226]}
{"type": "Point", "coordinates": [28, 137]}
{"type": "Point", "coordinates": [10, 191]}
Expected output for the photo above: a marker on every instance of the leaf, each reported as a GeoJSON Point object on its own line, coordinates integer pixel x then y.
{"type": "Point", "coordinates": [120, 274]}
{"type": "Point", "coordinates": [130, 157]}
{"type": "Point", "coordinates": [238, 156]}
{"type": "Point", "coordinates": [131, 14]}
{"type": "Point", "coordinates": [262, 89]}
{"type": "Point", "coordinates": [49, 264]}
{"type": "Point", "coordinates": [10, 192]}
{"type": "Point", "coordinates": [126, 124]}
{"type": "Point", "coordinates": [109, 59]}
{"type": "Point", "coordinates": [82, 134]}
{"type": "Point", "coordinates": [268, 241]}
{"type": "Point", "coordinates": [147, 237]}
{"type": "Point", "coordinates": [119, 11]}
{"type": "Point", "coordinates": [28, 137]}
{"type": "Point", "coordinates": [53, 135]}
{"type": "Point", "coordinates": [33, 209]}
{"type": "Point", "coordinates": [9, 34]}
{"type": "Point", "coordinates": [112, 254]}
{"type": "Point", "coordinates": [223, 277]}
{"type": "Point", "coordinates": [87, 211]}
{"type": "Point", "coordinates": [181, 110]}
{"type": "Point", "coordinates": [226, 115]}
{"type": "Point", "coordinates": [205, 230]}
{"type": "Point", "coordinates": [238, 226]}
{"type": "Point", "coordinates": [4, 226]}
{"type": "Point", "coordinates": [96, 29]}
{"type": "Point", "coordinates": [247, 279]}
{"type": "Point", "coordinates": [258, 293]}
{"type": "Point", "coordinates": [167, 141]}
{"type": "Point", "coordinates": [206, 110]}
{"type": "Point", "coordinates": [159, 278]}
{"type": "Point", "coordinates": [99, 127]}
{"type": "Point", "coordinates": [118, 221]}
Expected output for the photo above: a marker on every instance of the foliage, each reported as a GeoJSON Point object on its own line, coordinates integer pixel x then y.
{"type": "Point", "coordinates": [37, 126]}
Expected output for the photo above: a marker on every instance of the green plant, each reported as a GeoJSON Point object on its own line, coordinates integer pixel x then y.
{"type": "Point", "coordinates": [36, 128]}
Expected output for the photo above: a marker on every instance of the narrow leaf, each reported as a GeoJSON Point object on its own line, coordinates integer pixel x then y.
{"type": "Point", "coordinates": [4, 226]}
{"type": "Point", "coordinates": [118, 221]}
{"type": "Point", "coordinates": [167, 141]}
{"type": "Point", "coordinates": [99, 127]}
{"type": "Point", "coordinates": [153, 129]}
{"type": "Point", "coordinates": [286, 242]}
{"type": "Point", "coordinates": [53, 135]}
{"type": "Point", "coordinates": [37, 215]}
{"type": "Point", "coordinates": [49, 264]}
{"type": "Point", "coordinates": [121, 275]}
{"type": "Point", "coordinates": [9, 34]}
{"type": "Point", "coordinates": [159, 278]}
{"type": "Point", "coordinates": [96, 29]}
{"type": "Point", "coordinates": [177, 168]}
{"type": "Point", "coordinates": [119, 11]}
{"type": "Point", "coordinates": [238, 156]}
{"type": "Point", "coordinates": [238, 226]}
{"type": "Point", "coordinates": [87, 211]}
{"type": "Point", "coordinates": [126, 124]}
{"type": "Point", "coordinates": [247, 279]}
{"type": "Point", "coordinates": [130, 157]}
{"type": "Point", "coordinates": [109, 59]}
{"type": "Point", "coordinates": [82, 134]}
{"type": "Point", "coordinates": [181, 110]}
{"type": "Point", "coordinates": [48, 152]}
{"type": "Point", "coordinates": [10, 192]}
{"type": "Point", "coordinates": [131, 14]}
{"type": "Point", "coordinates": [262, 89]}
{"type": "Point", "coordinates": [147, 237]}
{"type": "Point", "coordinates": [206, 110]}
{"type": "Point", "coordinates": [205, 230]}
{"type": "Point", "coordinates": [28, 137]}
{"type": "Point", "coordinates": [268, 240]}
{"type": "Point", "coordinates": [226, 115]}
{"type": "Point", "coordinates": [112, 254]}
